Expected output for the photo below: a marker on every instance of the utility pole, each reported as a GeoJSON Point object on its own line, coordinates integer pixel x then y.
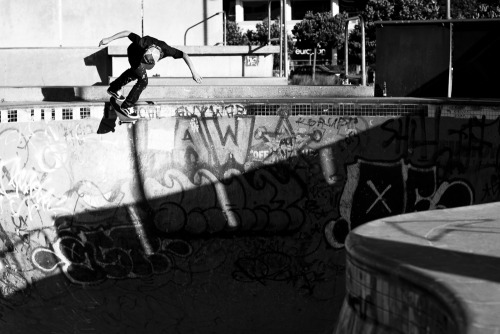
{"type": "Point", "coordinates": [285, 36]}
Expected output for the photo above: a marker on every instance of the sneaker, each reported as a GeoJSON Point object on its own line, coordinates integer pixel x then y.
{"type": "Point", "coordinates": [117, 95]}
{"type": "Point", "coordinates": [128, 112]}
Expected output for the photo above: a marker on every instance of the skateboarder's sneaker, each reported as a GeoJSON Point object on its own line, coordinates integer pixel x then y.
{"type": "Point", "coordinates": [128, 112]}
{"type": "Point", "coordinates": [117, 95]}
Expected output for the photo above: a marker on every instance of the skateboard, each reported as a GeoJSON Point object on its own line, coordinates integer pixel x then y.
{"type": "Point", "coordinates": [122, 119]}
{"type": "Point", "coordinates": [137, 108]}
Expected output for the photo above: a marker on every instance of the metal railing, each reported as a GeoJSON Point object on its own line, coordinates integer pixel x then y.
{"type": "Point", "coordinates": [208, 18]}
{"type": "Point", "coordinates": [363, 51]}
{"type": "Point", "coordinates": [283, 32]}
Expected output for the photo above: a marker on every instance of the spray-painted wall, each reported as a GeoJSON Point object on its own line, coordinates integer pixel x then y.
{"type": "Point", "coordinates": [216, 217]}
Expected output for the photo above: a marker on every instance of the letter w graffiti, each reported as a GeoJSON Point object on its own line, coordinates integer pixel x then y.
{"type": "Point", "coordinates": [234, 140]}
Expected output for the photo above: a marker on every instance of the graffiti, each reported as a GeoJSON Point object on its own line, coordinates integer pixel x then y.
{"type": "Point", "coordinates": [194, 124]}
{"type": "Point", "coordinates": [251, 202]}
{"type": "Point", "coordinates": [16, 271]}
{"type": "Point", "coordinates": [375, 190]}
{"type": "Point", "coordinates": [321, 195]}
{"type": "Point", "coordinates": [283, 143]}
{"type": "Point", "coordinates": [276, 147]}
{"type": "Point", "coordinates": [491, 190]}
{"type": "Point", "coordinates": [216, 188]}
{"type": "Point", "coordinates": [329, 122]}
{"type": "Point", "coordinates": [149, 111]}
{"type": "Point", "coordinates": [268, 266]}
{"type": "Point", "coordinates": [292, 264]}
{"type": "Point", "coordinates": [25, 185]}
{"type": "Point", "coordinates": [24, 191]}
{"type": "Point", "coordinates": [211, 111]}
{"type": "Point", "coordinates": [469, 144]}
{"type": "Point", "coordinates": [473, 150]}
{"type": "Point", "coordinates": [216, 141]}
{"type": "Point", "coordinates": [77, 135]}
{"type": "Point", "coordinates": [93, 256]}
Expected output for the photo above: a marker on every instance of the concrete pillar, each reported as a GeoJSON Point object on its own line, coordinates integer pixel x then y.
{"type": "Point", "coordinates": [335, 11]}
{"type": "Point", "coordinates": [335, 7]}
{"type": "Point", "coordinates": [238, 11]}
{"type": "Point", "coordinates": [288, 11]}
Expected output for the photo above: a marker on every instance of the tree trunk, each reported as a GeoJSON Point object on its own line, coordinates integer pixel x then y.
{"type": "Point", "coordinates": [314, 65]}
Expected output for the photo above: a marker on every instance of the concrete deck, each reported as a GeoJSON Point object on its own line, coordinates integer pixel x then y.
{"type": "Point", "coordinates": [446, 257]}
{"type": "Point", "coordinates": [214, 81]}
{"type": "Point", "coordinates": [205, 91]}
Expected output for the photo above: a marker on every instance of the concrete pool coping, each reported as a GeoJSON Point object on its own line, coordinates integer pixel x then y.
{"type": "Point", "coordinates": [452, 255]}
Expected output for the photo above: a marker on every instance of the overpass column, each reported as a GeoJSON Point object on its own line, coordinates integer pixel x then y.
{"type": "Point", "coordinates": [335, 11]}
{"type": "Point", "coordinates": [238, 11]}
{"type": "Point", "coordinates": [335, 7]}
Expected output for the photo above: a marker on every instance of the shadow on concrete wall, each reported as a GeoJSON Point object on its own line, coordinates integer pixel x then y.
{"type": "Point", "coordinates": [173, 265]}
{"type": "Point", "coordinates": [60, 94]}
{"type": "Point", "coordinates": [227, 248]}
{"type": "Point", "coordinates": [102, 62]}
{"type": "Point", "coordinates": [108, 121]}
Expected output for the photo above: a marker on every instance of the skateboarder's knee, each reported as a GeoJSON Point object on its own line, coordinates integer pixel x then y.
{"type": "Point", "coordinates": [143, 82]}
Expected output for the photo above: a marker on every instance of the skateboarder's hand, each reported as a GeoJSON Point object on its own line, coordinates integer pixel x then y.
{"type": "Point", "coordinates": [197, 77]}
{"type": "Point", "coordinates": [103, 41]}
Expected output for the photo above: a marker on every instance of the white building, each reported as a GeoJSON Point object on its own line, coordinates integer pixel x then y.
{"type": "Point", "coordinates": [247, 13]}
{"type": "Point", "coordinates": [56, 40]}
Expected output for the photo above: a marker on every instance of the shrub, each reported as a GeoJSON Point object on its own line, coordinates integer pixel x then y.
{"type": "Point", "coordinates": [234, 35]}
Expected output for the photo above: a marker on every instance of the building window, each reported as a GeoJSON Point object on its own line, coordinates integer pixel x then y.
{"type": "Point", "coordinates": [84, 112]}
{"type": "Point", "coordinates": [352, 7]}
{"type": "Point", "coordinates": [258, 10]}
{"type": "Point", "coordinates": [301, 7]}
{"type": "Point", "coordinates": [67, 113]}
{"type": "Point", "coordinates": [12, 116]}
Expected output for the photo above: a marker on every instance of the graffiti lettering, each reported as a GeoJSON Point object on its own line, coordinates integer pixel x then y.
{"type": "Point", "coordinates": [94, 256]}
{"type": "Point", "coordinates": [375, 190]}
{"type": "Point", "coordinates": [330, 122]}
{"type": "Point", "coordinates": [211, 111]}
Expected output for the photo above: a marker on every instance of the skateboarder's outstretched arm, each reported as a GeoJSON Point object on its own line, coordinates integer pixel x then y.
{"type": "Point", "coordinates": [189, 63]}
{"type": "Point", "coordinates": [108, 40]}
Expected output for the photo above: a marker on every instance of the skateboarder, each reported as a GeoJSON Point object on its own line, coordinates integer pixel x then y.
{"type": "Point", "coordinates": [142, 54]}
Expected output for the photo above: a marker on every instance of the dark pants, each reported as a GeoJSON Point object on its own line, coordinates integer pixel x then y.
{"type": "Point", "coordinates": [135, 72]}
{"type": "Point", "coordinates": [139, 74]}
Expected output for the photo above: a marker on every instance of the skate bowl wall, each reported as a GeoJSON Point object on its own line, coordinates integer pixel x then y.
{"type": "Point", "coordinates": [214, 216]}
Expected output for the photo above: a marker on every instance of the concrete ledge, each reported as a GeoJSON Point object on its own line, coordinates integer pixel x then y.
{"type": "Point", "coordinates": [434, 271]}
{"type": "Point", "coordinates": [213, 61]}
{"type": "Point", "coordinates": [121, 50]}
{"type": "Point", "coordinates": [204, 91]}
{"type": "Point", "coordinates": [236, 81]}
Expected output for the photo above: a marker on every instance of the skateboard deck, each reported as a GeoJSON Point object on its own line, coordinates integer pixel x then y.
{"type": "Point", "coordinates": [122, 119]}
